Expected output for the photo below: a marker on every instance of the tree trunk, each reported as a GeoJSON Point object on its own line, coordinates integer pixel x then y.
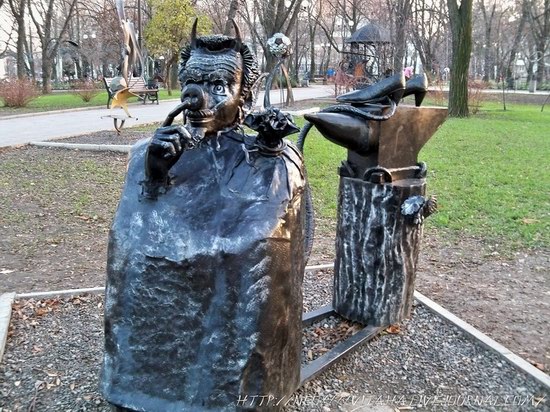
{"type": "Point", "coordinates": [312, 65]}
{"type": "Point", "coordinates": [517, 39]}
{"type": "Point", "coordinates": [460, 18]}
{"type": "Point", "coordinates": [402, 13]}
{"type": "Point", "coordinates": [541, 35]}
{"type": "Point", "coordinates": [540, 53]}
{"type": "Point", "coordinates": [29, 53]}
{"type": "Point", "coordinates": [487, 66]}
{"type": "Point", "coordinates": [168, 77]}
{"type": "Point", "coordinates": [47, 68]}
{"type": "Point", "coordinates": [487, 52]}
{"type": "Point", "coordinates": [233, 10]}
{"type": "Point", "coordinates": [18, 12]}
{"type": "Point", "coordinates": [21, 69]}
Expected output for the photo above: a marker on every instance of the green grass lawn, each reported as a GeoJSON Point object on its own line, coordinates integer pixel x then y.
{"type": "Point", "coordinates": [490, 173]}
{"type": "Point", "coordinates": [70, 100]}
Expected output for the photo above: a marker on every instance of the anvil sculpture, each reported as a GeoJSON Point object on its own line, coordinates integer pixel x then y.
{"type": "Point", "coordinates": [381, 202]}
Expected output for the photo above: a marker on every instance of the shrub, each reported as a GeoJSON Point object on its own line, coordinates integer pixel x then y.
{"type": "Point", "coordinates": [439, 96]}
{"type": "Point", "coordinates": [86, 90]}
{"type": "Point", "coordinates": [475, 95]}
{"type": "Point", "coordinates": [17, 93]}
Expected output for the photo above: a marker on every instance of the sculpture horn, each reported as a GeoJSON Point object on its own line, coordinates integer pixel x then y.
{"type": "Point", "coordinates": [238, 37]}
{"type": "Point", "coordinates": [194, 34]}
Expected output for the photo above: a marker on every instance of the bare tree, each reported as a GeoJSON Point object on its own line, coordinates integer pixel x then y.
{"type": "Point", "coordinates": [233, 10]}
{"type": "Point", "coordinates": [17, 8]}
{"type": "Point", "coordinates": [102, 20]}
{"type": "Point", "coordinates": [9, 30]}
{"type": "Point", "coordinates": [401, 12]}
{"type": "Point", "coordinates": [460, 19]}
{"type": "Point", "coordinates": [488, 15]}
{"type": "Point", "coordinates": [428, 32]}
{"type": "Point", "coordinates": [51, 20]}
{"type": "Point", "coordinates": [219, 12]}
{"type": "Point", "coordinates": [524, 14]}
{"type": "Point", "coordinates": [267, 17]}
{"type": "Point", "coordinates": [540, 30]}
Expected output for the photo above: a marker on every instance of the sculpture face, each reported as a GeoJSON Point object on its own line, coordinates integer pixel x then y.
{"type": "Point", "coordinates": [212, 80]}
{"type": "Point", "coordinates": [217, 74]}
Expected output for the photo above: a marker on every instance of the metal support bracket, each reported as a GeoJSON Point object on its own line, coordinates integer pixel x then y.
{"type": "Point", "coordinates": [351, 344]}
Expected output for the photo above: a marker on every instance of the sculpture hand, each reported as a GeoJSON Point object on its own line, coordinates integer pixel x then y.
{"type": "Point", "coordinates": [166, 147]}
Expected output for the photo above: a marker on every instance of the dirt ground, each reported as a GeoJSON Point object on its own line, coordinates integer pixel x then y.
{"type": "Point", "coordinates": [56, 208]}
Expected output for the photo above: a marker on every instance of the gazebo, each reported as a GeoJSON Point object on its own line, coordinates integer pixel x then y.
{"type": "Point", "coordinates": [368, 58]}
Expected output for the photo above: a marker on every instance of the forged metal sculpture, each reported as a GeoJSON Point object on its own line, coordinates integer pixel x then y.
{"type": "Point", "coordinates": [280, 47]}
{"type": "Point", "coordinates": [206, 251]}
{"type": "Point", "coordinates": [131, 60]}
{"type": "Point", "coordinates": [381, 202]}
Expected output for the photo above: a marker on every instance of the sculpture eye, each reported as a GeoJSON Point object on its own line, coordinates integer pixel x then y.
{"type": "Point", "coordinates": [218, 89]}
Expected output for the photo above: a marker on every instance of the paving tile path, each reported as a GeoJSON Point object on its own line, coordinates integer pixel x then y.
{"type": "Point", "coordinates": [53, 125]}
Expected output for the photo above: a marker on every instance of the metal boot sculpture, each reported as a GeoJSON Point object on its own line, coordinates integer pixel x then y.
{"type": "Point", "coordinates": [206, 252]}
{"type": "Point", "coordinates": [381, 201]}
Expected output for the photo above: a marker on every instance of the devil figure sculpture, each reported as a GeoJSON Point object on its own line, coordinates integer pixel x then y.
{"type": "Point", "coordinates": [206, 252]}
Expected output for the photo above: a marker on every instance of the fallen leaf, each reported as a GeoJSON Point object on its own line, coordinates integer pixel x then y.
{"type": "Point", "coordinates": [538, 365]}
{"type": "Point", "coordinates": [529, 221]}
{"type": "Point", "coordinates": [393, 329]}
{"type": "Point", "coordinates": [37, 349]}
{"type": "Point", "coordinates": [41, 311]}
{"type": "Point", "coordinates": [51, 374]}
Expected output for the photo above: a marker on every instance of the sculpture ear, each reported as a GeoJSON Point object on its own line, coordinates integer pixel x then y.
{"type": "Point", "coordinates": [194, 34]}
{"type": "Point", "coordinates": [238, 37]}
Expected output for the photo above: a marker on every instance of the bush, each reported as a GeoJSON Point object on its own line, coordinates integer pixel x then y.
{"type": "Point", "coordinates": [86, 90]}
{"type": "Point", "coordinates": [17, 93]}
{"type": "Point", "coordinates": [439, 96]}
{"type": "Point", "coordinates": [475, 95]}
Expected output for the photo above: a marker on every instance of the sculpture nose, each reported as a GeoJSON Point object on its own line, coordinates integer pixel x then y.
{"type": "Point", "coordinates": [194, 95]}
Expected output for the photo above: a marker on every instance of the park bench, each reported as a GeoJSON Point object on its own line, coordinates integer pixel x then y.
{"type": "Point", "coordinates": [137, 85]}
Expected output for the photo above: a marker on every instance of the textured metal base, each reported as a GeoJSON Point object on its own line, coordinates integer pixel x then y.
{"type": "Point", "coordinates": [319, 365]}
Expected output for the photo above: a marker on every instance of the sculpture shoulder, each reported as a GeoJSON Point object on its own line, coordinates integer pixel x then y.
{"type": "Point", "coordinates": [293, 154]}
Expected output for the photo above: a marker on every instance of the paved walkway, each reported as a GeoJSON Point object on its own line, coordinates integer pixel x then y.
{"type": "Point", "coordinates": [53, 125]}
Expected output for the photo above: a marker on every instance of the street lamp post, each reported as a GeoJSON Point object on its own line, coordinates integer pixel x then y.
{"type": "Point", "coordinates": [89, 39]}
